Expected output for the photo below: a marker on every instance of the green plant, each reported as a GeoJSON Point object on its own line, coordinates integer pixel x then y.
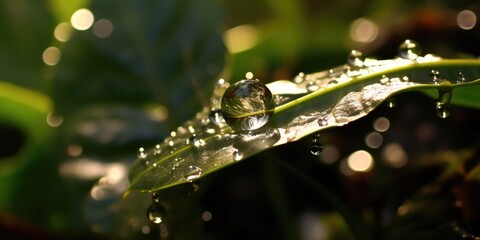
{"type": "Point", "coordinates": [78, 99]}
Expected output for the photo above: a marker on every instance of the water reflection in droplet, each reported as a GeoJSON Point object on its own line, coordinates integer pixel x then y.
{"type": "Point", "coordinates": [409, 49]}
{"type": "Point", "coordinates": [247, 105]}
{"type": "Point", "coordinates": [442, 106]}
{"type": "Point", "coordinates": [355, 59]}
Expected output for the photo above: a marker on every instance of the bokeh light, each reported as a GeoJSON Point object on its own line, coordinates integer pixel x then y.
{"type": "Point", "coordinates": [360, 161]}
{"type": "Point", "coordinates": [382, 124]}
{"type": "Point", "coordinates": [82, 19]}
{"type": "Point", "coordinates": [103, 28]}
{"type": "Point", "coordinates": [374, 140]}
{"type": "Point", "coordinates": [51, 56]}
{"type": "Point", "coordinates": [466, 20]}
{"type": "Point", "coordinates": [363, 30]}
{"type": "Point", "coordinates": [394, 155]}
{"type": "Point", "coordinates": [330, 154]}
{"type": "Point", "coordinates": [62, 31]}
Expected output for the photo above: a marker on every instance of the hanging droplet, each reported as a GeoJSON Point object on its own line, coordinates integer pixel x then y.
{"type": "Point", "coordinates": [299, 78]}
{"type": "Point", "coordinates": [443, 110]}
{"type": "Point", "coordinates": [192, 173]}
{"type": "Point", "coordinates": [237, 155]}
{"type": "Point", "coordinates": [322, 122]}
{"type": "Point", "coordinates": [216, 116]}
{"type": "Point", "coordinates": [461, 77]}
{"type": "Point", "coordinates": [247, 105]}
{"type": "Point", "coordinates": [156, 212]}
{"type": "Point", "coordinates": [435, 76]}
{"type": "Point", "coordinates": [355, 59]}
{"type": "Point", "coordinates": [409, 49]}
{"type": "Point", "coordinates": [391, 102]}
{"type": "Point", "coordinates": [316, 147]}
{"type": "Point", "coordinates": [442, 106]}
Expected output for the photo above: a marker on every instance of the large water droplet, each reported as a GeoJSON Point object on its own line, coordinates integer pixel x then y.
{"type": "Point", "coordinates": [316, 147]}
{"type": "Point", "coordinates": [156, 212]}
{"type": "Point", "coordinates": [247, 105]}
{"type": "Point", "coordinates": [409, 49]}
{"type": "Point", "coordinates": [442, 106]}
{"type": "Point", "coordinates": [355, 59]}
{"type": "Point", "coordinates": [192, 173]}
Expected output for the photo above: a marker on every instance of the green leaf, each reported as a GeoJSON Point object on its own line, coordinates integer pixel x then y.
{"type": "Point", "coordinates": [344, 94]}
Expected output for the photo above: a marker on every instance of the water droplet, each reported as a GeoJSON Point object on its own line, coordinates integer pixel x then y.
{"type": "Point", "coordinates": [249, 75]}
{"type": "Point", "coordinates": [216, 116]}
{"type": "Point", "coordinates": [195, 141]}
{"type": "Point", "coordinates": [391, 102]}
{"type": "Point", "coordinates": [442, 106]}
{"type": "Point", "coordinates": [385, 80]}
{"type": "Point", "coordinates": [247, 105]}
{"type": "Point", "coordinates": [237, 155]}
{"type": "Point", "coordinates": [141, 153]}
{"type": "Point", "coordinates": [322, 122]}
{"type": "Point", "coordinates": [157, 150]}
{"type": "Point", "coordinates": [192, 173]}
{"type": "Point", "coordinates": [435, 76]}
{"type": "Point", "coordinates": [312, 86]}
{"type": "Point", "coordinates": [316, 147]}
{"type": "Point", "coordinates": [409, 49]}
{"type": "Point", "coordinates": [299, 78]}
{"type": "Point", "coordinates": [355, 59]}
{"type": "Point", "coordinates": [460, 77]}
{"type": "Point", "coordinates": [156, 212]}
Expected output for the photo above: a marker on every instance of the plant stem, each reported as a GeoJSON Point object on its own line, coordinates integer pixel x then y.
{"type": "Point", "coordinates": [356, 225]}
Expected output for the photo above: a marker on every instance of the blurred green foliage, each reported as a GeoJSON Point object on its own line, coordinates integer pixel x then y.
{"type": "Point", "coordinates": [107, 96]}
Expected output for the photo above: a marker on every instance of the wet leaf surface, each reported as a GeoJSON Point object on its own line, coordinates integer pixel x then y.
{"type": "Point", "coordinates": [318, 101]}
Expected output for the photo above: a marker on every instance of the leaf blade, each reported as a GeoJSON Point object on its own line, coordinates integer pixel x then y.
{"type": "Point", "coordinates": [347, 100]}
